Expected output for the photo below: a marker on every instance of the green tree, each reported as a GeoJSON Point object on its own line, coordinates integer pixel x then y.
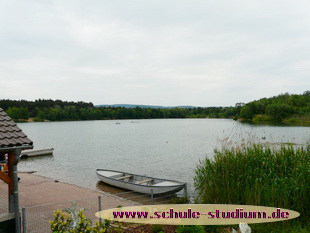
{"type": "Point", "coordinates": [248, 111]}
{"type": "Point", "coordinates": [40, 115]}
{"type": "Point", "coordinates": [18, 113]}
{"type": "Point", "coordinates": [279, 111]}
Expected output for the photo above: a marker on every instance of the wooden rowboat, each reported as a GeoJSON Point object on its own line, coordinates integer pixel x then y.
{"type": "Point", "coordinates": [139, 183]}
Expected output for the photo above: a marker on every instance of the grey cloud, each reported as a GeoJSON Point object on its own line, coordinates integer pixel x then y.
{"type": "Point", "coordinates": [154, 52]}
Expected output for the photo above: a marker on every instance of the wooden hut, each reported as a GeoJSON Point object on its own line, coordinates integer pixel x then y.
{"type": "Point", "coordinates": [12, 142]}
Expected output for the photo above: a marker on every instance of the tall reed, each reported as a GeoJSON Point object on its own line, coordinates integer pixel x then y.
{"type": "Point", "coordinates": [257, 174]}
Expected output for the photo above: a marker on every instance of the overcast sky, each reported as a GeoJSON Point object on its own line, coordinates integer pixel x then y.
{"type": "Point", "coordinates": [157, 52]}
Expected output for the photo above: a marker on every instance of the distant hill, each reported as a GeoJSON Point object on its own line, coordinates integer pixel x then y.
{"type": "Point", "coordinates": [141, 106]}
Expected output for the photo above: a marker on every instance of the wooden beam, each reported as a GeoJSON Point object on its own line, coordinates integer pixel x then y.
{"type": "Point", "coordinates": [5, 178]}
{"type": "Point", "coordinates": [123, 177]}
{"type": "Point", "coordinates": [143, 181]}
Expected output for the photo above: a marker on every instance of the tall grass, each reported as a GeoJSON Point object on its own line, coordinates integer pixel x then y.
{"type": "Point", "coordinates": [257, 174]}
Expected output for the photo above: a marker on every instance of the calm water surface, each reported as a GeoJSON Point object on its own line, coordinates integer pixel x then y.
{"type": "Point", "coordinates": [165, 148]}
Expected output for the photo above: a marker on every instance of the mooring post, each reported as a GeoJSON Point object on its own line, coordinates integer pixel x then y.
{"type": "Point", "coordinates": [100, 208]}
{"type": "Point", "coordinates": [185, 191]}
{"type": "Point", "coordinates": [24, 220]}
{"type": "Point", "coordinates": [152, 196]}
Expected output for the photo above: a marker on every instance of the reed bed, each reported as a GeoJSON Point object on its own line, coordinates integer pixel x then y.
{"type": "Point", "coordinates": [257, 174]}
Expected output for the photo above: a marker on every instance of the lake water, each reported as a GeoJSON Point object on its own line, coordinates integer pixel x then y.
{"type": "Point", "coordinates": [164, 148]}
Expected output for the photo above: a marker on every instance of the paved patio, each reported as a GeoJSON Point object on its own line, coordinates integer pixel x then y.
{"type": "Point", "coordinates": [37, 190]}
{"type": "Point", "coordinates": [41, 196]}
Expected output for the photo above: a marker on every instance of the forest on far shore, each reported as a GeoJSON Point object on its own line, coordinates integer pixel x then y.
{"type": "Point", "coordinates": [284, 108]}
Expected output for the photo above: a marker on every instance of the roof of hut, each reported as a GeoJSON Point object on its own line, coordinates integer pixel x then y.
{"type": "Point", "coordinates": [10, 134]}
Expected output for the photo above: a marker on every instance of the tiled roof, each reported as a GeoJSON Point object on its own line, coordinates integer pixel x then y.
{"type": "Point", "coordinates": [10, 134]}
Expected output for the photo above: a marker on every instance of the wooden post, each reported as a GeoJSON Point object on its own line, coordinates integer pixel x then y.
{"type": "Point", "coordinates": [13, 158]}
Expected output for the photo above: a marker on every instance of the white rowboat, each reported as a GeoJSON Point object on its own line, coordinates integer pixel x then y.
{"type": "Point", "coordinates": [38, 152]}
{"type": "Point", "coordinates": [139, 183]}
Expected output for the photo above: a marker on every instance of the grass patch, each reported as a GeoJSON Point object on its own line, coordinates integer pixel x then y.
{"type": "Point", "coordinates": [300, 121]}
{"type": "Point", "coordinates": [260, 118]}
{"type": "Point", "coordinates": [179, 200]}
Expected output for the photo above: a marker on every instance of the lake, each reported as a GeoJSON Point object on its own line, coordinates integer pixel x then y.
{"type": "Point", "coordinates": [164, 148]}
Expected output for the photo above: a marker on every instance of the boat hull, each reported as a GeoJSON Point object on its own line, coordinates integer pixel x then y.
{"type": "Point", "coordinates": [169, 186]}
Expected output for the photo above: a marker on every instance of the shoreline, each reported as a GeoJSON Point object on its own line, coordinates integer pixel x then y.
{"type": "Point", "coordinates": [290, 122]}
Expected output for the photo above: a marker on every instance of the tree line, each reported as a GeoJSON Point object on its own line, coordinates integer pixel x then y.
{"type": "Point", "coordinates": [284, 107]}
{"type": "Point", "coordinates": [57, 110]}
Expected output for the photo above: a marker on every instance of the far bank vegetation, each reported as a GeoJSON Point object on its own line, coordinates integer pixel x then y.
{"type": "Point", "coordinates": [289, 109]}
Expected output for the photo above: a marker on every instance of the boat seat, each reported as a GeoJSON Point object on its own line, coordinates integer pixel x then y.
{"type": "Point", "coordinates": [143, 181]}
{"type": "Point", "coordinates": [123, 177]}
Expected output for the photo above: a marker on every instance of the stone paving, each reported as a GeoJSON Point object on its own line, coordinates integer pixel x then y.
{"type": "Point", "coordinates": [41, 196]}
{"type": "Point", "coordinates": [37, 190]}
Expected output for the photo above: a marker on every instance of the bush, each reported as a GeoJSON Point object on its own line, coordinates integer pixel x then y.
{"type": "Point", "coordinates": [179, 200]}
{"type": "Point", "coordinates": [190, 229]}
{"type": "Point", "coordinates": [157, 228]}
{"type": "Point", "coordinates": [74, 221]}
